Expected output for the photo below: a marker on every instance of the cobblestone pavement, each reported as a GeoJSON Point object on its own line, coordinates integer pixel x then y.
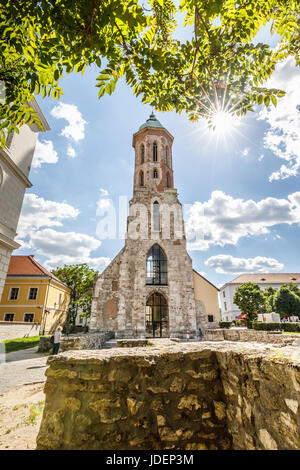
{"type": "Point", "coordinates": [26, 366]}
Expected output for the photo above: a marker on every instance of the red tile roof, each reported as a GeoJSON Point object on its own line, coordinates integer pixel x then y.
{"type": "Point", "coordinates": [28, 266]}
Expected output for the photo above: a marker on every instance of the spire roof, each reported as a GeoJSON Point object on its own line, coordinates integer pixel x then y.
{"type": "Point", "coordinates": [152, 121]}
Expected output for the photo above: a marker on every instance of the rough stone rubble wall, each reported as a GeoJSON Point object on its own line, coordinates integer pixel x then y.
{"type": "Point", "coordinates": [134, 399]}
{"type": "Point", "coordinates": [192, 396]}
{"type": "Point", "coordinates": [9, 330]}
{"type": "Point", "coordinates": [235, 334]}
{"type": "Point", "coordinates": [77, 342]}
{"type": "Point", "coordinates": [262, 392]}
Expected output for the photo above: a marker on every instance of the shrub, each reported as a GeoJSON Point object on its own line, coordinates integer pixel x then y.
{"type": "Point", "coordinates": [290, 327]}
{"type": "Point", "coordinates": [293, 327]}
{"type": "Point", "coordinates": [257, 325]}
{"type": "Point", "coordinates": [225, 324]}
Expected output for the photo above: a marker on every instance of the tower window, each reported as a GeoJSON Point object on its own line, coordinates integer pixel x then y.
{"type": "Point", "coordinates": [167, 156]}
{"type": "Point", "coordinates": [156, 224]}
{"type": "Point", "coordinates": [155, 152]}
{"type": "Point", "coordinates": [142, 153]}
{"type": "Point", "coordinates": [156, 266]}
{"type": "Point", "coordinates": [168, 180]}
{"type": "Point", "coordinates": [155, 174]}
{"type": "Point", "coordinates": [141, 178]}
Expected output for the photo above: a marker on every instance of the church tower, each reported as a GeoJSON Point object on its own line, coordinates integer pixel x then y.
{"type": "Point", "coordinates": [148, 289]}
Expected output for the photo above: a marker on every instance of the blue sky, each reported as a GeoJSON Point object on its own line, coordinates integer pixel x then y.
{"type": "Point", "coordinates": [242, 187]}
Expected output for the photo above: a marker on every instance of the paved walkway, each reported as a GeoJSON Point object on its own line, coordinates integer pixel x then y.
{"type": "Point", "coordinates": [22, 367]}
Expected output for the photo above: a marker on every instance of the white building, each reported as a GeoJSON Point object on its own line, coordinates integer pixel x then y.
{"type": "Point", "coordinates": [229, 310]}
{"type": "Point", "coordinates": [15, 163]}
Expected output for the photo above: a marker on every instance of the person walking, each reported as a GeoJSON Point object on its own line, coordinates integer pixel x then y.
{"type": "Point", "coordinates": [57, 340]}
{"type": "Point", "coordinates": [200, 334]}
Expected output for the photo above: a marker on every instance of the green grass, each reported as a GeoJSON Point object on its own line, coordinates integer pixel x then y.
{"type": "Point", "coordinates": [290, 333]}
{"type": "Point", "coordinates": [20, 343]}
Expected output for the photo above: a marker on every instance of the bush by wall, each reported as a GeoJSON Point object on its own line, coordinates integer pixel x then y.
{"type": "Point", "coordinates": [225, 324]}
{"type": "Point", "coordinates": [293, 327]}
{"type": "Point", "coordinates": [257, 325]}
{"type": "Point", "coordinates": [289, 326]}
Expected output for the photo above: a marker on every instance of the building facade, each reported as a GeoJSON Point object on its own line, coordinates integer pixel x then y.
{"type": "Point", "coordinates": [207, 293]}
{"type": "Point", "coordinates": [32, 294]}
{"type": "Point", "coordinates": [148, 289]}
{"type": "Point", "coordinates": [15, 163]}
{"type": "Point", "coordinates": [229, 310]}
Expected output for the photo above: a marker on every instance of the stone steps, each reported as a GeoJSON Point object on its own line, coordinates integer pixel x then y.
{"type": "Point", "coordinates": [111, 343]}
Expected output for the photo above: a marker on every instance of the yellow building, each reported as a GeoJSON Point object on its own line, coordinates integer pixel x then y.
{"type": "Point", "coordinates": [208, 294]}
{"type": "Point", "coordinates": [32, 294]}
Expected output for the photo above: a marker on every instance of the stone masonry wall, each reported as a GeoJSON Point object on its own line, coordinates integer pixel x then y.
{"type": "Point", "coordinates": [185, 396]}
{"type": "Point", "coordinates": [134, 398]}
{"type": "Point", "coordinates": [9, 330]}
{"type": "Point", "coordinates": [236, 334]}
{"type": "Point", "coordinates": [262, 389]}
{"type": "Point", "coordinates": [76, 342]}
{"type": "Point", "coordinates": [5, 254]}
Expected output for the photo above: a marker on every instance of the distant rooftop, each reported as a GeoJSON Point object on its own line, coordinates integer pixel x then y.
{"type": "Point", "coordinates": [28, 266]}
{"type": "Point", "coordinates": [266, 278]}
{"type": "Point", "coordinates": [152, 121]}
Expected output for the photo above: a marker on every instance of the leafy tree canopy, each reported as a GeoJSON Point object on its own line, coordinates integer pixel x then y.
{"type": "Point", "coordinates": [292, 286]}
{"type": "Point", "coordinates": [80, 279]}
{"type": "Point", "coordinates": [287, 302]}
{"type": "Point", "coordinates": [269, 299]}
{"type": "Point", "coordinates": [250, 299]}
{"type": "Point", "coordinates": [220, 68]}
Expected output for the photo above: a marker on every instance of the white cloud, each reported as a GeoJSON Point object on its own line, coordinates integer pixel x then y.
{"type": "Point", "coordinates": [103, 205]}
{"type": "Point", "coordinates": [260, 157]}
{"type": "Point", "coordinates": [227, 264]}
{"type": "Point", "coordinates": [245, 152]}
{"type": "Point", "coordinates": [283, 135]}
{"type": "Point", "coordinates": [103, 192]}
{"type": "Point", "coordinates": [38, 212]}
{"type": "Point", "coordinates": [44, 153]}
{"type": "Point", "coordinates": [59, 248]}
{"type": "Point", "coordinates": [71, 151]}
{"type": "Point", "coordinates": [76, 124]}
{"type": "Point", "coordinates": [59, 261]}
{"type": "Point", "coordinates": [66, 248]}
{"type": "Point", "coordinates": [224, 220]}
{"type": "Point", "coordinates": [51, 242]}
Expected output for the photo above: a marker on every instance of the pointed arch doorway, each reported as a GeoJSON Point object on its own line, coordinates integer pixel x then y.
{"type": "Point", "coordinates": [157, 324]}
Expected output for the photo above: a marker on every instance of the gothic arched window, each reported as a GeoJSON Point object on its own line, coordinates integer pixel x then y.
{"type": "Point", "coordinates": [155, 174]}
{"type": "Point", "coordinates": [157, 315]}
{"type": "Point", "coordinates": [141, 178]}
{"type": "Point", "coordinates": [155, 152]}
{"type": "Point", "coordinates": [168, 180]}
{"type": "Point", "coordinates": [156, 266]}
{"type": "Point", "coordinates": [167, 156]}
{"type": "Point", "coordinates": [142, 153]}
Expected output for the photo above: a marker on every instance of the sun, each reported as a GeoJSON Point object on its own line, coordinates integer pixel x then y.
{"type": "Point", "coordinates": [224, 123]}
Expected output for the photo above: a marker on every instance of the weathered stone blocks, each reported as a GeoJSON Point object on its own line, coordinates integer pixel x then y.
{"type": "Point", "coordinates": [185, 396]}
